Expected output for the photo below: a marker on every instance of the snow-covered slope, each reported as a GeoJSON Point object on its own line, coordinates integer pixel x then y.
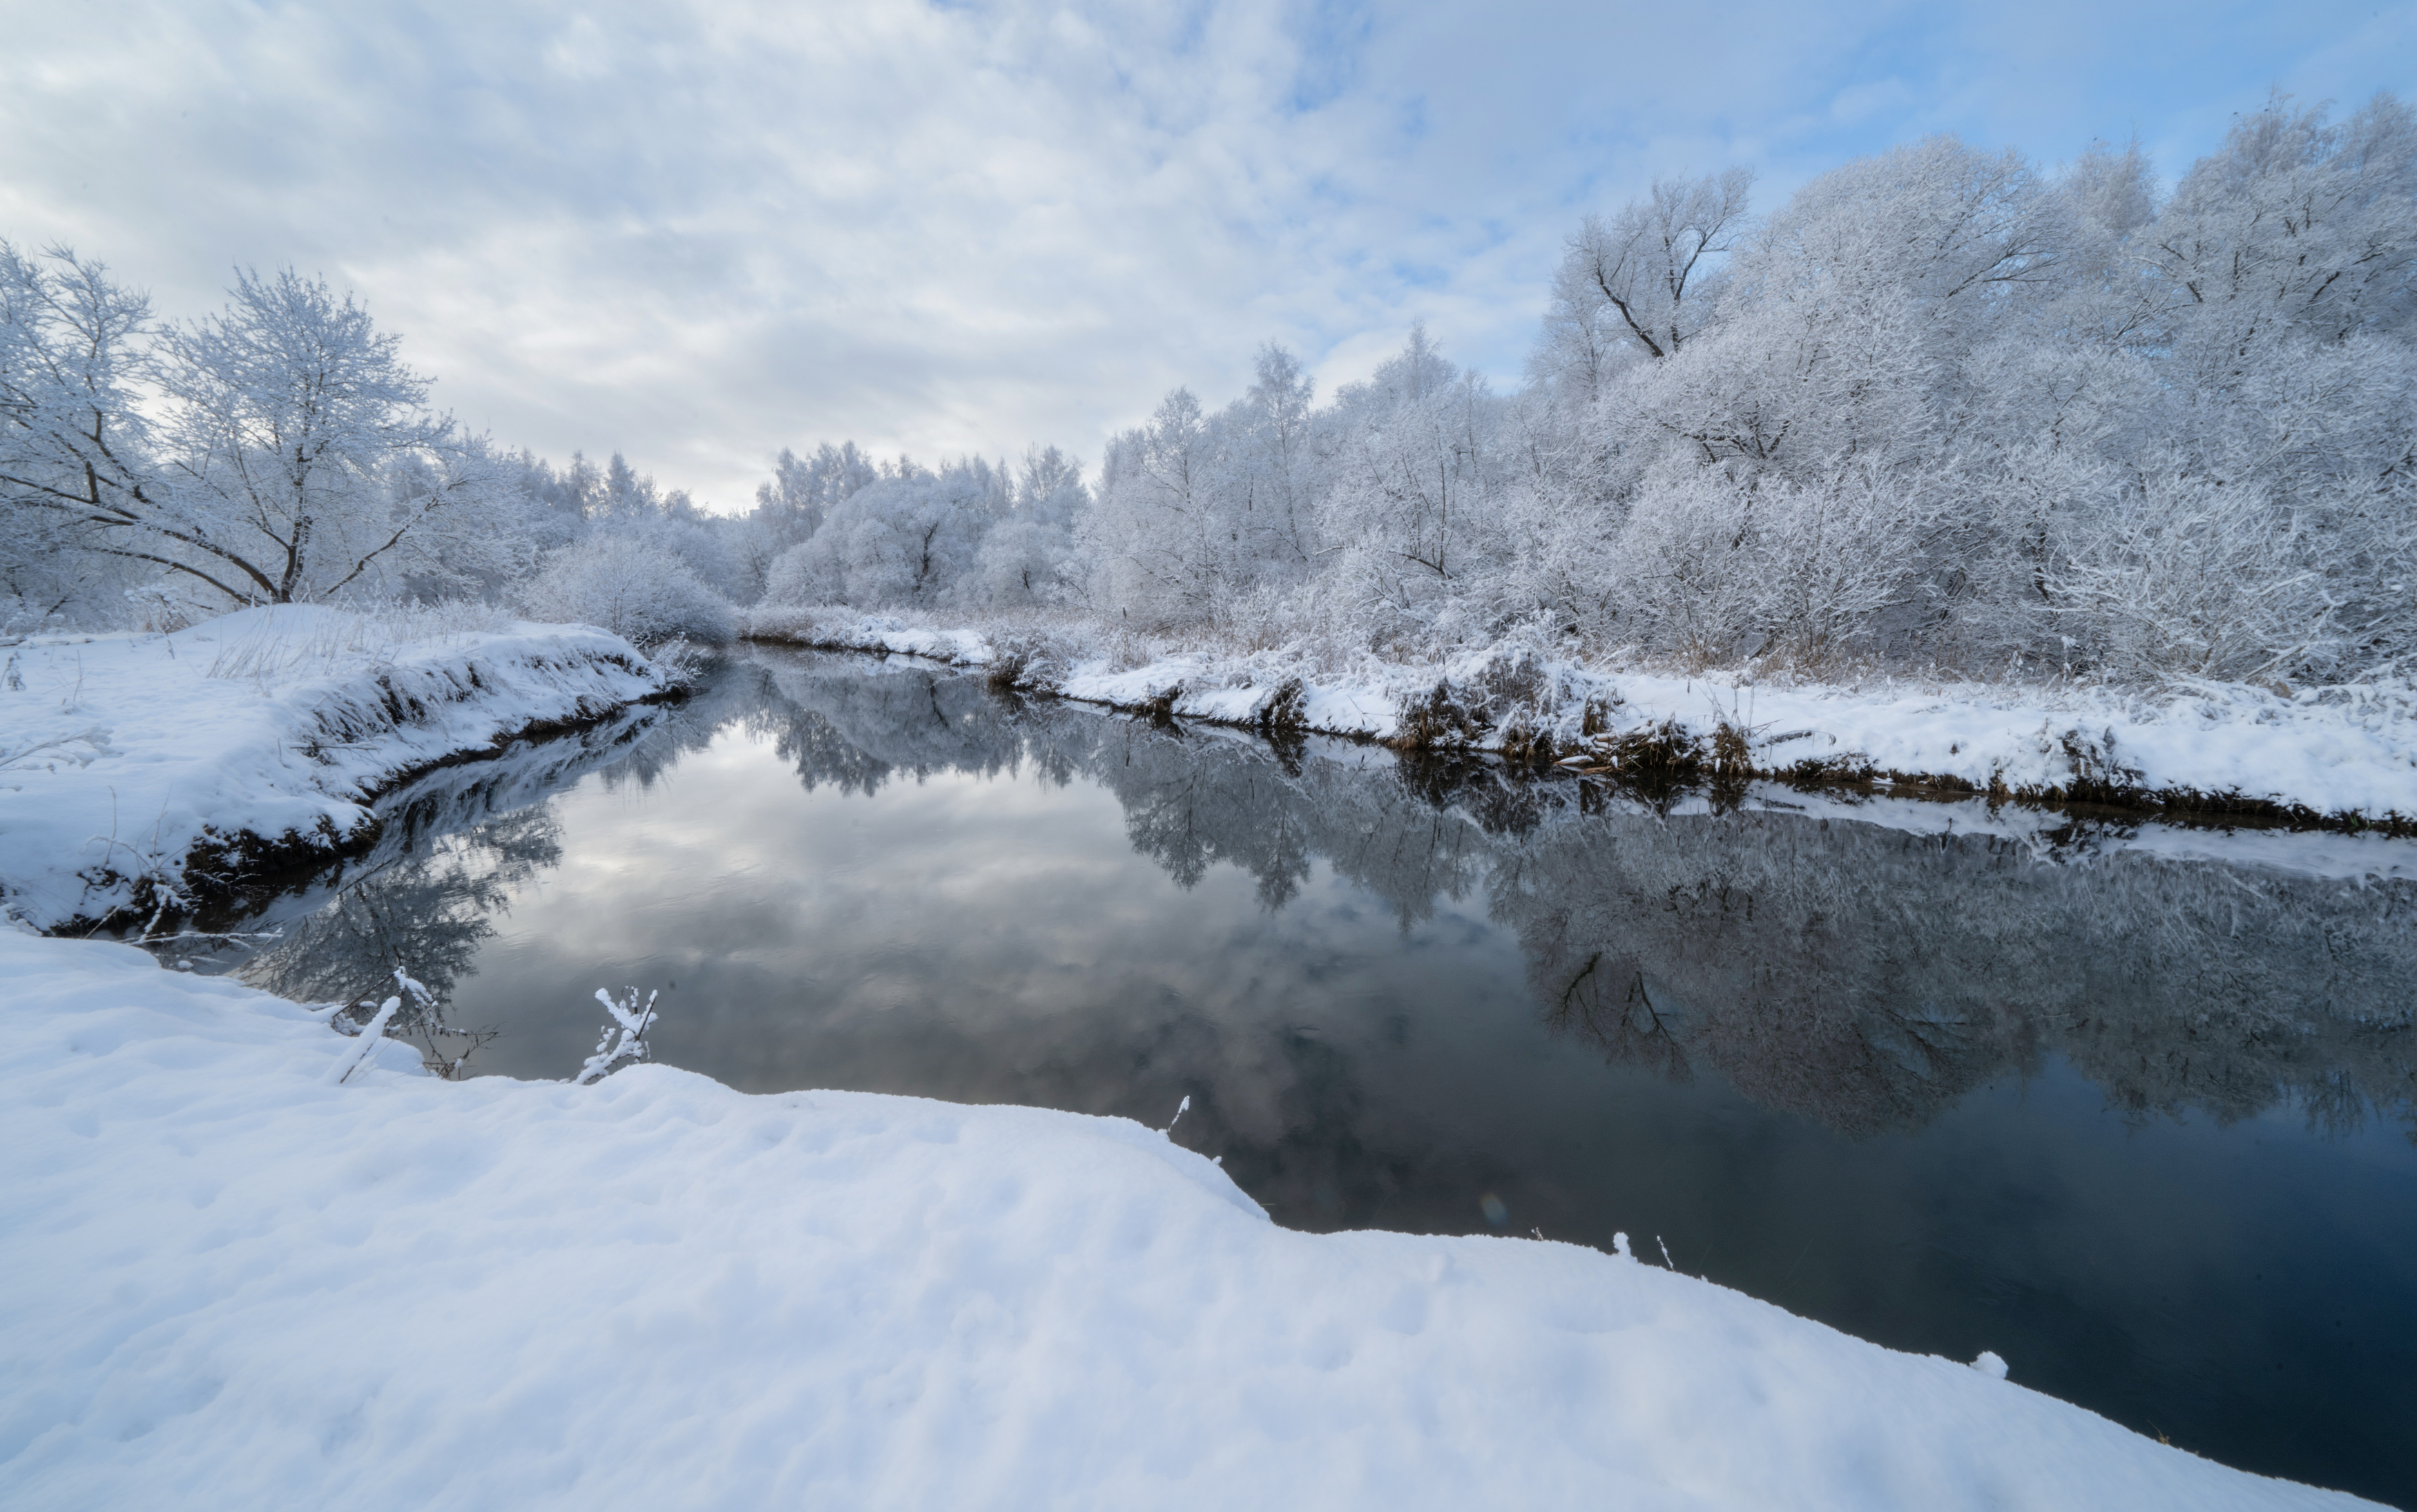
{"type": "Point", "coordinates": [134, 765]}
{"type": "Point", "coordinates": [235, 1282]}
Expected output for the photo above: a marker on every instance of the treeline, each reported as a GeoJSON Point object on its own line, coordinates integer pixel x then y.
{"type": "Point", "coordinates": [280, 451]}
{"type": "Point", "coordinates": [1943, 407]}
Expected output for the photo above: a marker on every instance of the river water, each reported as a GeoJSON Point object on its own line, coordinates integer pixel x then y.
{"type": "Point", "coordinates": [2141, 1125]}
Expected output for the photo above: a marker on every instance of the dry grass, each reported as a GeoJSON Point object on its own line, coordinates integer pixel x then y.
{"type": "Point", "coordinates": [340, 639]}
{"type": "Point", "coordinates": [1657, 756]}
{"type": "Point", "coordinates": [1285, 716]}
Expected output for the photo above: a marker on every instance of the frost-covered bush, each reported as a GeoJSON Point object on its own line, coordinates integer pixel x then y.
{"type": "Point", "coordinates": [622, 585]}
{"type": "Point", "coordinates": [1687, 565]}
{"type": "Point", "coordinates": [908, 540]}
{"type": "Point", "coordinates": [1021, 564]}
{"type": "Point", "coordinates": [2183, 576]}
{"type": "Point", "coordinates": [969, 537]}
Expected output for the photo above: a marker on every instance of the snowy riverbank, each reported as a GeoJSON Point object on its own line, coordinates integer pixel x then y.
{"type": "Point", "coordinates": [138, 771]}
{"type": "Point", "coordinates": [2343, 756]}
{"type": "Point", "coordinates": [240, 1282]}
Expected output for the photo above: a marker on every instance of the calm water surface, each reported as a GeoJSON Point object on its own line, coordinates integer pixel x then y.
{"type": "Point", "coordinates": [2141, 1126]}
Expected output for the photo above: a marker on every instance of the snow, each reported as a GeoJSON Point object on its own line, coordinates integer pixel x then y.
{"type": "Point", "coordinates": [2335, 751]}
{"type": "Point", "coordinates": [119, 753]}
{"type": "Point", "coordinates": [240, 1282]}
{"type": "Point", "coordinates": [1362, 707]}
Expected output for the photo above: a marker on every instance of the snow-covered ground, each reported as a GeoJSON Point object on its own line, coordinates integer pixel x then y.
{"type": "Point", "coordinates": [2331, 751]}
{"type": "Point", "coordinates": [119, 755]}
{"type": "Point", "coordinates": [237, 1280]}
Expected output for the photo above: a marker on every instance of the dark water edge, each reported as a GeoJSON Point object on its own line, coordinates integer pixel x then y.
{"type": "Point", "coordinates": [2142, 1126]}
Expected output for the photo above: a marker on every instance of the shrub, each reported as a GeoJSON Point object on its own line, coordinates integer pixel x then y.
{"type": "Point", "coordinates": [644, 594]}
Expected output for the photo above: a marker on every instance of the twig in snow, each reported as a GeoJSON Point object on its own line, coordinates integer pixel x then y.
{"type": "Point", "coordinates": [238, 936]}
{"type": "Point", "coordinates": [369, 1039]}
{"type": "Point", "coordinates": [631, 1045]}
{"type": "Point", "coordinates": [95, 741]}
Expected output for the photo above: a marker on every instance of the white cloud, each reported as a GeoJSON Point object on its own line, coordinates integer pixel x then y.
{"type": "Point", "coordinates": [698, 233]}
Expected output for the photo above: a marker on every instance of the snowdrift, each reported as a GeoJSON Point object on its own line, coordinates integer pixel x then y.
{"type": "Point", "coordinates": [239, 1282]}
{"type": "Point", "coordinates": [141, 774]}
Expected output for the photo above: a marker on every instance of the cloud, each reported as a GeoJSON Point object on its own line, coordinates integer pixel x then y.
{"type": "Point", "coordinates": [699, 232]}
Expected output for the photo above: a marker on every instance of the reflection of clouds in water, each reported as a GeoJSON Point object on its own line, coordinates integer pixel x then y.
{"type": "Point", "coordinates": [992, 929]}
{"type": "Point", "coordinates": [1050, 969]}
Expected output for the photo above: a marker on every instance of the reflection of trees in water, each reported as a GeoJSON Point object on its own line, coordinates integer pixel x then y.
{"type": "Point", "coordinates": [1793, 960]}
{"type": "Point", "coordinates": [427, 912]}
{"type": "Point", "coordinates": [855, 724]}
{"type": "Point", "coordinates": [1859, 976]}
{"type": "Point", "coordinates": [453, 849]}
{"type": "Point", "coordinates": [1189, 810]}
{"type": "Point", "coordinates": [1867, 978]}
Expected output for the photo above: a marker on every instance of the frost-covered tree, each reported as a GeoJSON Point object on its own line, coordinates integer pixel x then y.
{"type": "Point", "coordinates": [803, 490]}
{"type": "Point", "coordinates": [292, 456]}
{"type": "Point", "coordinates": [550, 503]}
{"type": "Point", "coordinates": [792, 504]}
{"type": "Point", "coordinates": [285, 414]}
{"type": "Point", "coordinates": [2018, 390]}
{"type": "Point", "coordinates": [2294, 225]}
{"type": "Point", "coordinates": [1415, 486]}
{"type": "Point", "coordinates": [2290, 255]}
{"type": "Point", "coordinates": [1200, 514]}
{"type": "Point", "coordinates": [623, 495]}
{"type": "Point", "coordinates": [1027, 558]}
{"type": "Point", "coordinates": [910, 538]}
{"type": "Point", "coordinates": [1847, 317]}
{"type": "Point", "coordinates": [1655, 266]}
{"type": "Point", "coordinates": [75, 465]}
{"type": "Point", "coordinates": [1273, 430]}
{"type": "Point", "coordinates": [1160, 541]}
{"type": "Point", "coordinates": [705, 542]}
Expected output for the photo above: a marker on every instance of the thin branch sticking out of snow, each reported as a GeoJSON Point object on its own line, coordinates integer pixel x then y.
{"type": "Point", "coordinates": [631, 1045]}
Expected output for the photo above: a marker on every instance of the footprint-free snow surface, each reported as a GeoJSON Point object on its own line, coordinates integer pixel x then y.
{"type": "Point", "coordinates": [119, 754]}
{"type": "Point", "coordinates": [237, 1281]}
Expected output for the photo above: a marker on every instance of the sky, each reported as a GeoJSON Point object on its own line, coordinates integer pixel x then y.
{"type": "Point", "coordinates": [696, 233]}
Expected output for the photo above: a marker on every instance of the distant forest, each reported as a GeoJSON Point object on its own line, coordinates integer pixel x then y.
{"type": "Point", "coordinates": [1944, 408]}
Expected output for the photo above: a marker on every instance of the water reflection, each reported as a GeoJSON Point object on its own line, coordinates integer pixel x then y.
{"type": "Point", "coordinates": [1867, 978]}
{"type": "Point", "coordinates": [1861, 976]}
{"type": "Point", "coordinates": [453, 849]}
{"type": "Point", "coordinates": [1864, 1072]}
